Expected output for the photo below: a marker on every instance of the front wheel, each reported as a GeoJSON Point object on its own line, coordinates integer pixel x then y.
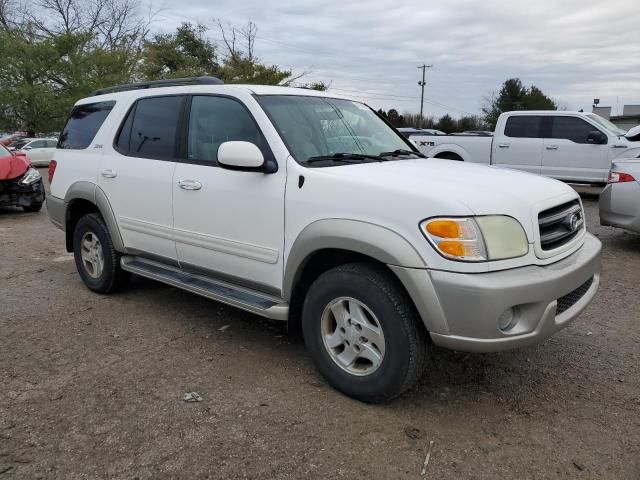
{"type": "Point", "coordinates": [362, 332]}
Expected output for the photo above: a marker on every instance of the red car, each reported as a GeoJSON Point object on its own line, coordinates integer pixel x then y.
{"type": "Point", "coordinates": [20, 185]}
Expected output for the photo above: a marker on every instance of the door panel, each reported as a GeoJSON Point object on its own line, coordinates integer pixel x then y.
{"type": "Point", "coordinates": [137, 175]}
{"type": "Point", "coordinates": [520, 145]}
{"type": "Point", "coordinates": [227, 221]}
{"type": "Point", "coordinates": [569, 156]}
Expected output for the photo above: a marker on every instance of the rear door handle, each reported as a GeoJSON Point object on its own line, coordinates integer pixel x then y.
{"type": "Point", "coordinates": [552, 147]}
{"type": "Point", "coordinates": [189, 184]}
{"type": "Point", "coordinates": [503, 145]}
{"type": "Point", "coordinates": [109, 173]}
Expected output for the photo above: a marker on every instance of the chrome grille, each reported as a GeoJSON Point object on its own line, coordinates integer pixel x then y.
{"type": "Point", "coordinates": [559, 225]}
{"type": "Point", "coordinates": [569, 300]}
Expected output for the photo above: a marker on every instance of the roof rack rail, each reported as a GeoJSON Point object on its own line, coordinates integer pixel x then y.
{"type": "Point", "coordinates": [168, 82]}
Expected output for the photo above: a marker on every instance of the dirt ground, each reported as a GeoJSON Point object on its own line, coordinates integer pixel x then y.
{"type": "Point", "coordinates": [92, 386]}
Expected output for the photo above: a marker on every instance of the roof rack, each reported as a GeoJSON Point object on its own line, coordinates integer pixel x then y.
{"type": "Point", "coordinates": [169, 82]}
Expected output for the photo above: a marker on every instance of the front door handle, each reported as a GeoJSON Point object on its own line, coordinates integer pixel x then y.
{"type": "Point", "coordinates": [503, 145]}
{"type": "Point", "coordinates": [189, 184]}
{"type": "Point", "coordinates": [552, 147]}
{"type": "Point", "coordinates": [109, 173]}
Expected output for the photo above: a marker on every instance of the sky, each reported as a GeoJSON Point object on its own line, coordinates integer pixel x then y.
{"type": "Point", "coordinates": [574, 50]}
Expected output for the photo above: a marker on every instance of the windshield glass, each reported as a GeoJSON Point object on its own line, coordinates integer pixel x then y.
{"type": "Point", "coordinates": [3, 151]}
{"type": "Point", "coordinates": [315, 126]}
{"type": "Point", "coordinates": [613, 128]}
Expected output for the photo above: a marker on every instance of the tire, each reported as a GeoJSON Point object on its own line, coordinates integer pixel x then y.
{"type": "Point", "coordinates": [109, 277]}
{"type": "Point", "coordinates": [369, 289]}
{"type": "Point", "coordinates": [34, 207]}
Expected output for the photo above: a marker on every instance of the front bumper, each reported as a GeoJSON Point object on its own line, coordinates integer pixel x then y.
{"type": "Point", "coordinates": [461, 311]}
{"type": "Point", "coordinates": [619, 206]}
{"type": "Point", "coordinates": [13, 194]}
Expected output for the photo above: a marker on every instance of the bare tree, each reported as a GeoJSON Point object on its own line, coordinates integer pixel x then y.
{"type": "Point", "coordinates": [110, 24]}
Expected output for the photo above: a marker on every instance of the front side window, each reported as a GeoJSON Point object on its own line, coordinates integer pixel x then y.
{"type": "Point", "coordinates": [151, 127]}
{"type": "Point", "coordinates": [83, 124]}
{"type": "Point", "coordinates": [523, 126]}
{"type": "Point", "coordinates": [317, 127]}
{"type": "Point", "coordinates": [37, 144]}
{"type": "Point", "coordinates": [215, 120]}
{"type": "Point", "coordinates": [571, 128]}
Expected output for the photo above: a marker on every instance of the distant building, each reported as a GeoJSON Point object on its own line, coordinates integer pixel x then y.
{"type": "Point", "coordinates": [630, 116]}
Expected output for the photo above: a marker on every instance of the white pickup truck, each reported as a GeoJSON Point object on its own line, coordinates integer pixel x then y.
{"type": "Point", "coordinates": [570, 146]}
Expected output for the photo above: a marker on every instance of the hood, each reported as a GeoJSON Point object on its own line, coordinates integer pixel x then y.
{"type": "Point", "coordinates": [484, 190]}
{"type": "Point", "coordinates": [13, 166]}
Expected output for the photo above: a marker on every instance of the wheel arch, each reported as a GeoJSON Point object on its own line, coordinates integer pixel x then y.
{"type": "Point", "coordinates": [449, 149]}
{"type": "Point", "coordinates": [326, 244]}
{"type": "Point", "coordinates": [85, 197]}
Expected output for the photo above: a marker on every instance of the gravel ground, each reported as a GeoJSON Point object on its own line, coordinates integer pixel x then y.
{"type": "Point", "coordinates": [92, 386]}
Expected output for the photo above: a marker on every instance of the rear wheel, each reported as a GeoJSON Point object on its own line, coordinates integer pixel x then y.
{"type": "Point", "coordinates": [362, 332]}
{"type": "Point", "coordinates": [97, 261]}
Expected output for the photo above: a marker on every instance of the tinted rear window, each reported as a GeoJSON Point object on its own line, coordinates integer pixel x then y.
{"type": "Point", "coordinates": [523, 126]}
{"type": "Point", "coordinates": [83, 124]}
{"type": "Point", "coordinates": [150, 128]}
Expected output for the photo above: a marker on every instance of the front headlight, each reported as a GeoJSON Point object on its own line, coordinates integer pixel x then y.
{"type": "Point", "coordinates": [32, 176]}
{"type": "Point", "coordinates": [476, 239]}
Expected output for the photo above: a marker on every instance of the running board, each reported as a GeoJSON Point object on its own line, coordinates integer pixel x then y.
{"type": "Point", "coordinates": [244, 298]}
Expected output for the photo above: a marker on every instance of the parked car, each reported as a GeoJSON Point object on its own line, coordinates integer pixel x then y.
{"type": "Point", "coordinates": [39, 150]}
{"type": "Point", "coordinates": [20, 185]}
{"type": "Point", "coordinates": [18, 144]}
{"type": "Point", "coordinates": [6, 141]}
{"type": "Point", "coordinates": [570, 146]}
{"type": "Point", "coordinates": [300, 205]}
{"type": "Point", "coordinates": [620, 200]}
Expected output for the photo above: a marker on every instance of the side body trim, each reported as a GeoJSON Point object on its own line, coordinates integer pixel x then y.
{"type": "Point", "coordinates": [358, 236]}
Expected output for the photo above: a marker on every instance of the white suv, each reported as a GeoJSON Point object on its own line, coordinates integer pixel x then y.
{"type": "Point", "coordinates": [304, 206]}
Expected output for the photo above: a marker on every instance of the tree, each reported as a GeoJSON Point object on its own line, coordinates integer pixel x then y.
{"type": "Point", "coordinates": [513, 95]}
{"type": "Point", "coordinates": [446, 124]}
{"type": "Point", "coordinates": [185, 53]}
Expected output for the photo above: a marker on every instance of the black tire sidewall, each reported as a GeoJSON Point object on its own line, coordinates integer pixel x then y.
{"type": "Point", "coordinates": [388, 380]}
{"type": "Point", "coordinates": [92, 223]}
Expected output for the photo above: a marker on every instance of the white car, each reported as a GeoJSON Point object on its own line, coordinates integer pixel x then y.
{"type": "Point", "coordinates": [307, 207]}
{"type": "Point", "coordinates": [40, 151]}
{"type": "Point", "coordinates": [570, 146]}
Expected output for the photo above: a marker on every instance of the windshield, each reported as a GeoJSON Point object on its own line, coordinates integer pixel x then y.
{"type": "Point", "coordinates": [317, 127]}
{"type": "Point", "coordinates": [613, 128]}
{"type": "Point", "coordinates": [3, 151]}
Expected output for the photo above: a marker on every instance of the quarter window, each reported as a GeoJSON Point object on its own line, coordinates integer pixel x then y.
{"type": "Point", "coordinates": [570, 128]}
{"type": "Point", "coordinates": [83, 124]}
{"type": "Point", "coordinates": [215, 120]}
{"type": "Point", "coordinates": [523, 126]}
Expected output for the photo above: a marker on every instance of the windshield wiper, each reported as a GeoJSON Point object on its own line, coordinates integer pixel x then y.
{"type": "Point", "coordinates": [399, 152]}
{"type": "Point", "coordinates": [345, 157]}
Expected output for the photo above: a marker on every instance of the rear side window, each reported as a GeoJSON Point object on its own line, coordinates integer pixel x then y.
{"type": "Point", "coordinates": [83, 124]}
{"type": "Point", "coordinates": [523, 126]}
{"type": "Point", "coordinates": [571, 128]}
{"type": "Point", "coordinates": [151, 127]}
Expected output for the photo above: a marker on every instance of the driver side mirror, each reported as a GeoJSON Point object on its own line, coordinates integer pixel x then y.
{"type": "Point", "coordinates": [243, 156]}
{"type": "Point", "coordinates": [596, 137]}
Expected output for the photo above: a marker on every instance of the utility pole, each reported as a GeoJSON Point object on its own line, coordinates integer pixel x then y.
{"type": "Point", "coordinates": [422, 84]}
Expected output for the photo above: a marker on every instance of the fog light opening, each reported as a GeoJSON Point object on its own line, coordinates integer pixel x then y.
{"type": "Point", "coordinates": [508, 319]}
